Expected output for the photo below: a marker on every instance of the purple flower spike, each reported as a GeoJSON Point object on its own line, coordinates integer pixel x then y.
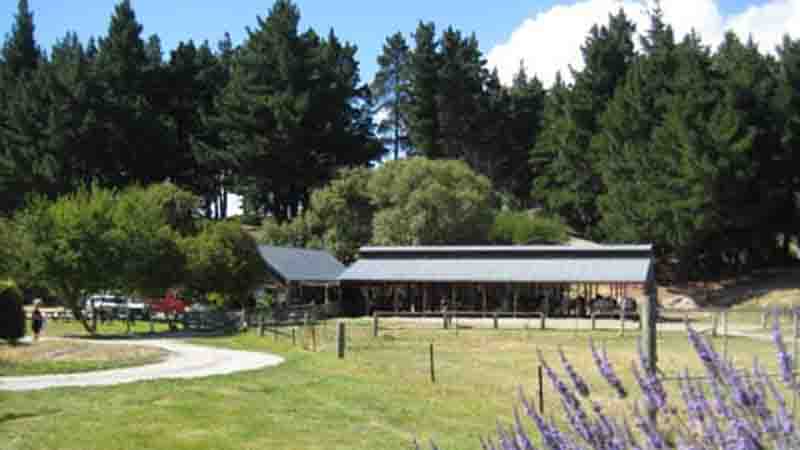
{"type": "Point", "coordinates": [604, 366]}
{"type": "Point", "coordinates": [580, 385]}
{"type": "Point", "coordinates": [784, 358]}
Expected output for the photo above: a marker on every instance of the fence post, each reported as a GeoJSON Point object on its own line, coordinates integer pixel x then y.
{"type": "Point", "coordinates": [375, 325]}
{"type": "Point", "coordinates": [541, 391]}
{"type": "Point", "coordinates": [496, 324]}
{"type": "Point", "coordinates": [795, 335]}
{"type": "Point", "coordinates": [714, 324]}
{"type": "Point", "coordinates": [340, 339]}
{"type": "Point", "coordinates": [314, 338]}
{"type": "Point", "coordinates": [724, 335]}
{"type": "Point", "coordinates": [650, 327]}
{"type": "Point", "coordinates": [622, 317]}
{"type": "Point", "coordinates": [433, 365]}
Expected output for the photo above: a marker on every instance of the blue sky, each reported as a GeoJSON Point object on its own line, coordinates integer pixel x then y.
{"type": "Point", "coordinates": [365, 23]}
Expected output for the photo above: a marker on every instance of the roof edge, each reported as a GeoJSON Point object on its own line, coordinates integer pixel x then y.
{"type": "Point", "coordinates": [507, 248]}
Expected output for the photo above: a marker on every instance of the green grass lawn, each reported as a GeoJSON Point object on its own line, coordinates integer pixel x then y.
{"type": "Point", "coordinates": [379, 397]}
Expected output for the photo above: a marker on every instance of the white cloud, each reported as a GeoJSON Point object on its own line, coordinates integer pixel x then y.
{"type": "Point", "coordinates": [551, 40]}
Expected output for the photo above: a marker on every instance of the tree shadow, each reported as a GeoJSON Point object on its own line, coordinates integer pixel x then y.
{"type": "Point", "coordinates": [10, 417]}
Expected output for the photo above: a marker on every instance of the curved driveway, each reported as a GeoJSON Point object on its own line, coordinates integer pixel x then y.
{"type": "Point", "coordinates": [184, 361]}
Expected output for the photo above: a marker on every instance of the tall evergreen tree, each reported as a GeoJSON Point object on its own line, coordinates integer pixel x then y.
{"type": "Point", "coordinates": [390, 92]}
{"type": "Point", "coordinates": [568, 180]}
{"type": "Point", "coordinates": [20, 53]}
{"type": "Point", "coordinates": [423, 90]}
{"type": "Point", "coordinates": [294, 111]}
{"type": "Point", "coordinates": [133, 131]}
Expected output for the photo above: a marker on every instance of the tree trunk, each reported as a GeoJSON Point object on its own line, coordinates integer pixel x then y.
{"type": "Point", "coordinates": [74, 306]}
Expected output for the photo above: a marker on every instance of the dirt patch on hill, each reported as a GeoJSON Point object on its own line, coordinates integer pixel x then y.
{"type": "Point", "coordinates": [62, 356]}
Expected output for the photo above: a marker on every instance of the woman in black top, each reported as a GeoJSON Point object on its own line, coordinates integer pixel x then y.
{"type": "Point", "coordinates": [37, 321]}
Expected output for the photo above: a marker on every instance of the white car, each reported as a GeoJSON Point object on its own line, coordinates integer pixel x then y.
{"type": "Point", "coordinates": [116, 306]}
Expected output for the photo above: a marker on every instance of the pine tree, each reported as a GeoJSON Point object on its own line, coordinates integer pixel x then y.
{"type": "Point", "coordinates": [295, 113]}
{"type": "Point", "coordinates": [20, 53]}
{"type": "Point", "coordinates": [390, 91]}
{"type": "Point", "coordinates": [131, 120]}
{"type": "Point", "coordinates": [423, 91]}
{"type": "Point", "coordinates": [568, 180]}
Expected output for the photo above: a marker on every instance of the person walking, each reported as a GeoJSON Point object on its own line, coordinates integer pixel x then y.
{"type": "Point", "coordinates": [37, 322]}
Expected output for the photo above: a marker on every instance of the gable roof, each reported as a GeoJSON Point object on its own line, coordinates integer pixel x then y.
{"type": "Point", "coordinates": [298, 264]}
{"type": "Point", "coordinates": [503, 264]}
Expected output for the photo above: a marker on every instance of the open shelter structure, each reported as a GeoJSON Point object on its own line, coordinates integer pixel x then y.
{"type": "Point", "coordinates": [503, 278]}
{"type": "Point", "coordinates": [301, 273]}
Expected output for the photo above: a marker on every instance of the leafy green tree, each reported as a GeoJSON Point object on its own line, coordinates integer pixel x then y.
{"type": "Point", "coordinates": [423, 202]}
{"type": "Point", "coordinates": [224, 260]}
{"type": "Point", "coordinates": [76, 247]}
{"type": "Point", "coordinates": [339, 219]}
{"type": "Point", "coordinates": [390, 90]}
{"type": "Point", "coordinates": [148, 223]}
{"type": "Point", "coordinates": [526, 228]}
{"type": "Point", "coordinates": [97, 239]}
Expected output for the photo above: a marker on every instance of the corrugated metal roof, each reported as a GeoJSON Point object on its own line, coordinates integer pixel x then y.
{"type": "Point", "coordinates": [541, 264]}
{"type": "Point", "coordinates": [296, 264]}
{"type": "Point", "coordinates": [507, 248]}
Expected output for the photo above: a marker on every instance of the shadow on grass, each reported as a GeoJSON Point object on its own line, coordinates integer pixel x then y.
{"type": "Point", "coordinates": [153, 336]}
{"type": "Point", "coordinates": [10, 417]}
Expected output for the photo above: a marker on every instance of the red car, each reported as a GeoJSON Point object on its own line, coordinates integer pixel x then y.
{"type": "Point", "coordinates": [170, 304]}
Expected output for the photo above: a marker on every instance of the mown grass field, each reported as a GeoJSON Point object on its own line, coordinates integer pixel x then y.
{"type": "Point", "coordinates": [379, 397]}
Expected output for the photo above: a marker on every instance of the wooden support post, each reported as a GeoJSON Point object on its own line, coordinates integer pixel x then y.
{"type": "Point", "coordinates": [514, 293]}
{"type": "Point", "coordinates": [375, 325]}
{"type": "Point", "coordinates": [485, 300]}
{"type": "Point", "coordinates": [649, 326]}
{"type": "Point", "coordinates": [594, 320]}
{"type": "Point", "coordinates": [622, 318]}
{"type": "Point", "coordinates": [341, 339]}
{"type": "Point", "coordinates": [327, 299]}
{"type": "Point", "coordinates": [424, 299]}
{"type": "Point", "coordinates": [546, 311]}
{"type": "Point", "coordinates": [496, 324]}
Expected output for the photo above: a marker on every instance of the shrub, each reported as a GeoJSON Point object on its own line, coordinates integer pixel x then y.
{"type": "Point", "coordinates": [728, 410]}
{"type": "Point", "coordinates": [521, 227]}
{"type": "Point", "coordinates": [12, 313]}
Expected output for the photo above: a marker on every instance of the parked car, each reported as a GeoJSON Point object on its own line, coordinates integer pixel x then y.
{"type": "Point", "coordinates": [116, 307]}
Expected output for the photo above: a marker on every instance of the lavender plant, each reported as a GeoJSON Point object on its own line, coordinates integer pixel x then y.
{"type": "Point", "coordinates": [727, 409]}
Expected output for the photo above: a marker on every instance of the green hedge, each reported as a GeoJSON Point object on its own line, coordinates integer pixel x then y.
{"type": "Point", "coordinates": [12, 313]}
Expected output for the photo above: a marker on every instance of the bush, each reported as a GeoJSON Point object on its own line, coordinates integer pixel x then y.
{"type": "Point", "coordinates": [12, 313]}
{"type": "Point", "coordinates": [521, 227]}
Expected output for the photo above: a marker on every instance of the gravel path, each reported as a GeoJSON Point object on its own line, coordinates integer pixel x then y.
{"type": "Point", "coordinates": [184, 361]}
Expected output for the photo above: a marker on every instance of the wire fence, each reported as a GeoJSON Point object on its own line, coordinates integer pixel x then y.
{"type": "Point", "coordinates": [435, 345]}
